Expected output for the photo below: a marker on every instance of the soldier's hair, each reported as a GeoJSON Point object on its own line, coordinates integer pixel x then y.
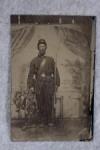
{"type": "Point", "coordinates": [41, 41]}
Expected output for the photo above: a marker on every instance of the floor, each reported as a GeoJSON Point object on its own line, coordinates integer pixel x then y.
{"type": "Point", "coordinates": [66, 129]}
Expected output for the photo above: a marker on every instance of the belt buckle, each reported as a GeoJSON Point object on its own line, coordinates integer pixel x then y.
{"type": "Point", "coordinates": [34, 76]}
{"type": "Point", "coordinates": [52, 75]}
{"type": "Point", "coordinates": [43, 75]}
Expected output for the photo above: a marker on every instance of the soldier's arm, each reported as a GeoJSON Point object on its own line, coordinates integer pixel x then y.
{"type": "Point", "coordinates": [30, 80]}
{"type": "Point", "coordinates": [56, 74]}
{"type": "Point", "coordinates": [57, 77]}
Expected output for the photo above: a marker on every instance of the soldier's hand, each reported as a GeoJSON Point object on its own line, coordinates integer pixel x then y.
{"type": "Point", "coordinates": [56, 88]}
{"type": "Point", "coordinates": [32, 89]}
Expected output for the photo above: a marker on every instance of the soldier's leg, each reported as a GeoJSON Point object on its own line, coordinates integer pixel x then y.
{"type": "Point", "coordinates": [40, 105]}
{"type": "Point", "coordinates": [50, 110]}
{"type": "Point", "coordinates": [48, 104]}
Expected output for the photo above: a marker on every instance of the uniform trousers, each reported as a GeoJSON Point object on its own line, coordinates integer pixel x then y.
{"type": "Point", "coordinates": [45, 99]}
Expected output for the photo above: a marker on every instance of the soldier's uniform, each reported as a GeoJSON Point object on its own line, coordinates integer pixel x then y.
{"type": "Point", "coordinates": [44, 76]}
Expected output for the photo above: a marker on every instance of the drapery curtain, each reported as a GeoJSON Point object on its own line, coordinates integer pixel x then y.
{"type": "Point", "coordinates": [20, 37]}
{"type": "Point", "coordinates": [77, 42]}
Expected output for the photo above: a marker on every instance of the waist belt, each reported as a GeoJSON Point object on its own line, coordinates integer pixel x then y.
{"type": "Point", "coordinates": [43, 75]}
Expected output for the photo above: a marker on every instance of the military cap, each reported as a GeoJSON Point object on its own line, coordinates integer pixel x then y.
{"type": "Point", "coordinates": [42, 41]}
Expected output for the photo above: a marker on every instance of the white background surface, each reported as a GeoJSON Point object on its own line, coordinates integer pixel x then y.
{"type": "Point", "coordinates": [66, 7]}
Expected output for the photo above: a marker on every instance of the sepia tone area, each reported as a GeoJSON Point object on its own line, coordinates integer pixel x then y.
{"type": "Point", "coordinates": [71, 43]}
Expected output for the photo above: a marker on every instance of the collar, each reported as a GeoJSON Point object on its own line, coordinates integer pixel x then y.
{"type": "Point", "coordinates": [41, 56]}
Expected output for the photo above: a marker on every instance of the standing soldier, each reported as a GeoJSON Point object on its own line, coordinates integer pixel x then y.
{"type": "Point", "coordinates": [44, 79]}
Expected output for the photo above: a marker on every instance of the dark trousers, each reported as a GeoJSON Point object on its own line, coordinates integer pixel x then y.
{"type": "Point", "coordinates": [45, 98]}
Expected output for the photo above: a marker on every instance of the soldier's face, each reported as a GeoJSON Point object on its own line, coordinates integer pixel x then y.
{"type": "Point", "coordinates": [42, 49]}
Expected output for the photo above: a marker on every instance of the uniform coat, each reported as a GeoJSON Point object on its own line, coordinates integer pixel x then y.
{"type": "Point", "coordinates": [44, 77]}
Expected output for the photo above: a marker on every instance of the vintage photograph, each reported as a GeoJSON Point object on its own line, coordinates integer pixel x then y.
{"type": "Point", "coordinates": [52, 77]}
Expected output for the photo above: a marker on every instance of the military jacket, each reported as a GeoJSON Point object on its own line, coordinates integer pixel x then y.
{"type": "Point", "coordinates": [43, 71]}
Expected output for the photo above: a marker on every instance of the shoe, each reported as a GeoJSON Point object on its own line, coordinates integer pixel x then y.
{"type": "Point", "coordinates": [33, 125]}
{"type": "Point", "coordinates": [41, 125]}
{"type": "Point", "coordinates": [24, 128]}
{"type": "Point", "coordinates": [51, 124]}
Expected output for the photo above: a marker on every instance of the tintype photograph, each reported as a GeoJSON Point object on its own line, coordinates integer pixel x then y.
{"type": "Point", "coordinates": [52, 77]}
